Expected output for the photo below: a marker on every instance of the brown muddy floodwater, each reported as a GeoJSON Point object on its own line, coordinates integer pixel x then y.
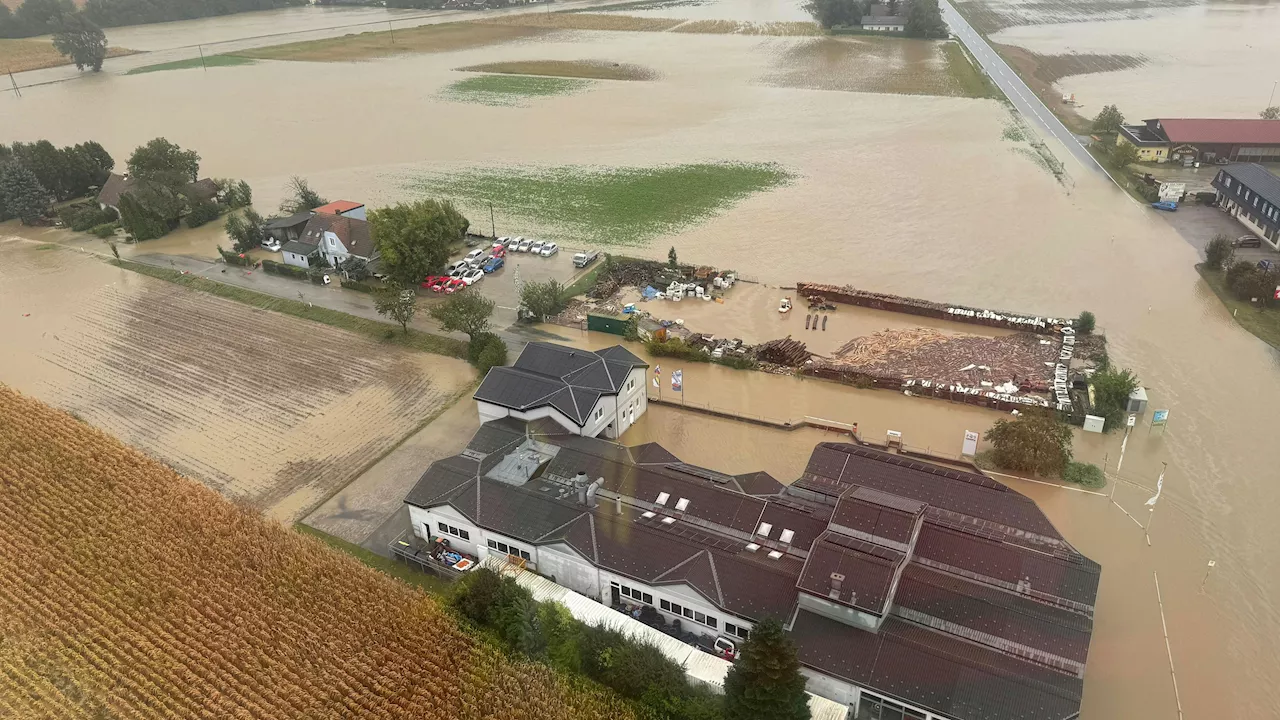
{"type": "Point", "coordinates": [1217, 59]}
{"type": "Point", "coordinates": [917, 196]}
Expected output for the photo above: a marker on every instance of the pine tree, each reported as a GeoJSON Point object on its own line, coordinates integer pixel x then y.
{"type": "Point", "coordinates": [765, 683]}
{"type": "Point", "coordinates": [21, 194]}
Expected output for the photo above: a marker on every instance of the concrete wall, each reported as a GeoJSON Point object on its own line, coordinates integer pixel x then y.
{"type": "Point", "coordinates": [569, 569]}
{"type": "Point", "coordinates": [296, 260]}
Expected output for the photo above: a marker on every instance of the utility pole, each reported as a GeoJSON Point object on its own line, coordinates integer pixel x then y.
{"type": "Point", "coordinates": [1206, 575]}
{"type": "Point", "coordinates": [15, 84]}
{"type": "Point", "coordinates": [392, 31]}
{"type": "Point", "coordinates": [1273, 92]}
{"type": "Point", "coordinates": [202, 65]}
{"type": "Point", "coordinates": [492, 228]}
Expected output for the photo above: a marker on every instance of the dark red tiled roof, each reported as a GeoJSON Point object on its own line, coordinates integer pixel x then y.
{"type": "Point", "coordinates": [1221, 131]}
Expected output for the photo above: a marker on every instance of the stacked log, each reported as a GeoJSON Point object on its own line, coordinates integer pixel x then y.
{"type": "Point", "coordinates": [784, 351]}
{"type": "Point", "coordinates": [850, 295]}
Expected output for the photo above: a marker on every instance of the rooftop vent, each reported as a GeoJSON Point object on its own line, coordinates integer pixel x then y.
{"type": "Point", "coordinates": [580, 479]}
{"type": "Point", "coordinates": [682, 503]}
{"type": "Point", "coordinates": [668, 520]}
{"type": "Point", "coordinates": [764, 529]}
{"type": "Point", "coordinates": [774, 555]}
{"type": "Point", "coordinates": [786, 535]}
{"type": "Point", "coordinates": [647, 514]}
{"type": "Point", "coordinates": [752, 547]}
{"type": "Point", "coordinates": [662, 498]}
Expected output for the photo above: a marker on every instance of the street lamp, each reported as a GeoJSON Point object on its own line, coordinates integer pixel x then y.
{"type": "Point", "coordinates": [1273, 92]}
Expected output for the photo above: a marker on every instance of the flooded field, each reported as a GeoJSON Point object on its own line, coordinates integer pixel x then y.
{"type": "Point", "coordinates": [265, 408]}
{"type": "Point", "coordinates": [913, 195]}
{"type": "Point", "coordinates": [1200, 59]}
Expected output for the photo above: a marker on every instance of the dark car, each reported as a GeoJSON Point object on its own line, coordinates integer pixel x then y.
{"type": "Point", "coordinates": [1247, 241]}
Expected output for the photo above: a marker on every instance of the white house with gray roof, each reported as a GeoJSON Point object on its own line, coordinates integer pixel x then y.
{"type": "Point", "coordinates": [588, 393]}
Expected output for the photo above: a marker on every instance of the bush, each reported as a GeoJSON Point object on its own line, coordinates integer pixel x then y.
{"type": "Point", "coordinates": [492, 354]}
{"type": "Point", "coordinates": [105, 230]}
{"type": "Point", "coordinates": [359, 286]}
{"type": "Point", "coordinates": [1218, 252]}
{"type": "Point", "coordinates": [1247, 281]}
{"type": "Point", "coordinates": [1084, 474]}
{"type": "Point", "coordinates": [202, 212]}
{"type": "Point", "coordinates": [676, 348]}
{"type": "Point", "coordinates": [233, 258]}
{"type": "Point", "coordinates": [737, 362]}
{"type": "Point", "coordinates": [279, 268]}
{"type": "Point", "coordinates": [478, 344]}
{"type": "Point", "coordinates": [1111, 389]}
{"type": "Point", "coordinates": [1085, 323]}
{"type": "Point", "coordinates": [86, 217]}
{"type": "Point", "coordinates": [476, 595]}
{"type": "Point", "coordinates": [1207, 198]}
{"type": "Point", "coordinates": [1150, 193]}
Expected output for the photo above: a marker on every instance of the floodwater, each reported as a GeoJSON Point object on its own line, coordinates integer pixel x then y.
{"type": "Point", "coordinates": [917, 196]}
{"type": "Point", "coordinates": [763, 11]}
{"type": "Point", "coordinates": [1218, 59]}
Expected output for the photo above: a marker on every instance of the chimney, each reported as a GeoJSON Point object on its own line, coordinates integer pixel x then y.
{"type": "Point", "coordinates": [617, 503]}
{"type": "Point", "coordinates": [836, 580]}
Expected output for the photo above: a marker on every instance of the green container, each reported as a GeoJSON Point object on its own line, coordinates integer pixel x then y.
{"type": "Point", "coordinates": [606, 323]}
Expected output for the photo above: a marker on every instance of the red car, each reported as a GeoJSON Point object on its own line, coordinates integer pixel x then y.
{"type": "Point", "coordinates": [453, 285]}
{"type": "Point", "coordinates": [431, 279]}
{"type": "Point", "coordinates": [438, 284]}
{"type": "Point", "coordinates": [498, 251]}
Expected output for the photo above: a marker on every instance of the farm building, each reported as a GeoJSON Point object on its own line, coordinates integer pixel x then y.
{"type": "Point", "coordinates": [884, 23]}
{"type": "Point", "coordinates": [587, 393]}
{"type": "Point", "coordinates": [1251, 194]}
{"type": "Point", "coordinates": [118, 186]}
{"type": "Point", "coordinates": [338, 237]}
{"type": "Point", "coordinates": [300, 254]}
{"type": "Point", "coordinates": [1203, 140]}
{"type": "Point", "coordinates": [911, 590]}
{"type": "Point", "coordinates": [287, 229]}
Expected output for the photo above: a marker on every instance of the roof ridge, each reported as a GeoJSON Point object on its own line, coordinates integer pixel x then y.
{"type": "Point", "coordinates": [677, 566]}
{"type": "Point", "coordinates": [715, 577]}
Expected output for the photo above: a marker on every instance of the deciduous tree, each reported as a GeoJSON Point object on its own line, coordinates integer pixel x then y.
{"type": "Point", "coordinates": [1124, 154]}
{"type": "Point", "coordinates": [1085, 323]}
{"type": "Point", "coordinates": [397, 304]}
{"type": "Point", "coordinates": [765, 681]}
{"type": "Point", "coordinates": [140, 221]}
{"type": "Point", "coordinates": [836, 13]}
{"type": "Point", "coordinates": [924, 20]}
{"type": "Point", "coordinates": [1217, 254]}
{"type": "Point", "coordinates": [82, 41]}
{"type": "Point", "coordinates": [1036, 441]}
{"type": "Point", "coordinates": [1271, 113]}
{"type": "Point", "coordinates": [543, 299]}
{"type": "Point", "coordinates": [21, 194]}
{"type": "Point", "coordinates": [165, 163]}
{"type": "Point", "coordinates": [1109, 120]}
{"type": "Point", "coordinates": [414, 239]}
{"type": "Point", "coordinates": [301, 197]}
{"type": "Point", "coordinates": [1111, 389]}
{"type": "Point", "coordinates": [245, 230]}
{"type": "Point", "coordinates": [466, 312]}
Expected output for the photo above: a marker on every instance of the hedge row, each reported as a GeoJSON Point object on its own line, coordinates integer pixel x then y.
{"type": "Point", "coordinates": [279, 268]}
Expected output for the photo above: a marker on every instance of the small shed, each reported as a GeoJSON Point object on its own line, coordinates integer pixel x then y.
{"type": "Point", "coordinates": [612, 324]}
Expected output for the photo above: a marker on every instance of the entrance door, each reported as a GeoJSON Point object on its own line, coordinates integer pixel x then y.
{"type": "Point", "coordinates": [614, 596]}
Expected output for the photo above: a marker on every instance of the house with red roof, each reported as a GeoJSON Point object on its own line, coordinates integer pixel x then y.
{"type": "Point", "coordinates": [1203, 140]}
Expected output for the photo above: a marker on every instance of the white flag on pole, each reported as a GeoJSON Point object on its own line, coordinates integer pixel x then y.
{"type": "Point", "coordinates": [1159, 487]}
{"type": "Point", "coordinates": [657, 384]}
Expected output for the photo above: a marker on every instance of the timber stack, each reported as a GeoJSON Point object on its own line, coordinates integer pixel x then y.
{"type": "Point", "coordinates": [850, 295]}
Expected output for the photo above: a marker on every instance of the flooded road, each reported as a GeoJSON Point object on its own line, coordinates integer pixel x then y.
{"type": "Point", "coordinates": [918, 196]}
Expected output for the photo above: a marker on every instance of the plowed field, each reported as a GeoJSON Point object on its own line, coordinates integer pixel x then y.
{"type": "Point", "coordinates": [265, 408]}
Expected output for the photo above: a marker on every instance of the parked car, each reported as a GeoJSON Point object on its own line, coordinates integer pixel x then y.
{"type": "Point", "coordinates": [549, 249]}
{"type": "Point", "coordinates": [536, 247]}
{"type": "Point", "coordinates": [453, 267]}
{"type": "Point", "coordinates": [520, 244]}
{"type": "Point", "coordinates": [1166, 205]}
{"type": "Point", "coordinates": [473, 276]}
{"type": "Point", "coordinates": [584, 259]}
{"type": "Point", "coordinates": [474, 255]}
{"type": "Point", "coordinates": [1247, 241]}
{"type": "Point", "coordinates": [271, 244]}
{"type": "Point", "coordinates": [525, 245]}
{"type": "Point", "coordinates": [479, 262]}
{"type": "Point", "coordinates": [494, 264]}
{"type": "Point", "coordinates": [440, 283]}
{"type": "Point", "coordinates": [502, 242]}
{"type": "Point", "coordinates": [431, 280]}
{"type": "Point", "coordinates": [453, 285]}
{"type": "Point", "coordinates": [499, 251]}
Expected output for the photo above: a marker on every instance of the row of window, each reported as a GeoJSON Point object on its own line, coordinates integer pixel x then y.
{"type": "Point", "coordinates": [456, 532]}
{"type": "Point", "coordinates": [708, 620]}
{"type": "Point", "coordinates": [508, 549]}
{"type": "Point", "coordinates": [874, 707]}
{"type": "Point", "coordinates": [633, 593]}
{"type": "Point", "coordinates": [738, 630]}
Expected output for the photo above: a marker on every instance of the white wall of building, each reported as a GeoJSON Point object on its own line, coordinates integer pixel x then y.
{"type": "Point", "coordinates": [620, 410]}
{"type": "Point", "coordinates": [332, 248]}
{"type": "Point", "coordinates": [569, 569]}
{"type": "Point", "coordinates": [296, 260]}
{"type": "Point", "coordinates": [425, 525]}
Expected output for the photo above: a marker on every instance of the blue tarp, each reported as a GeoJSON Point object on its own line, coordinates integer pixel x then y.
{"type": "Point", "coordinates": [649, 292]}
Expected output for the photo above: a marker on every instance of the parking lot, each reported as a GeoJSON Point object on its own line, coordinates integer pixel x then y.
{"type": "Point", "coordinates": [1198, 224]}
{"type": "Point", "coordinates": [500, 285]}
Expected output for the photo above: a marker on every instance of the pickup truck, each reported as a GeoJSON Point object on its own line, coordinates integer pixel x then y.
{"type": "Point", "coordinates": [584, 259]}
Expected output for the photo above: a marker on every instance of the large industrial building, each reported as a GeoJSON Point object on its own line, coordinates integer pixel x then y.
{"type": "Point", "coordinates": [912, 590]}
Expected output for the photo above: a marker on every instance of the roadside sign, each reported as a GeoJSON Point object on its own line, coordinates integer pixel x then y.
{"type": "Point", "coordinates": [970, 443]}
{"type": "Point", "coordinates": [1277, 295]}
{"type": "Point", "coordinates": [1159, 417]}
{"type": "Point", "coordinates": [1133, 420]}
{"type": "Point", "coordinates": [1094, 423]}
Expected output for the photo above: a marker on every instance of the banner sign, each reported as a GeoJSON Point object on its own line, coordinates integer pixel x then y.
{"type": "Point", "coordinates": [970, 443]}
{"type": "Point", "coordinates": [1159, 417]}
{"type": "Point", "coordinates": [677, 381]}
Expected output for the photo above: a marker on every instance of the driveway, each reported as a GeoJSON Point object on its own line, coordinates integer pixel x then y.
{"type": "Point", "coordinates": [1198, 224]}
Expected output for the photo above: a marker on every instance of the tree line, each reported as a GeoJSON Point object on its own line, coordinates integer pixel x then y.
{"type": "Point", "coordinates": [35, 175]}
{"type": "Point", "coordinates": [41, 17]}
{"type": "Point", "coordinates": [923, 18]}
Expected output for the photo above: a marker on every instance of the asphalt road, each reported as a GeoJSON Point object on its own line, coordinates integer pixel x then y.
{"type": "Point", "coordinates": [1017, 91]}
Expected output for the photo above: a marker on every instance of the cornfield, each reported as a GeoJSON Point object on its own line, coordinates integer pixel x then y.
{"type": "Point", "coordinates": [127, 591]}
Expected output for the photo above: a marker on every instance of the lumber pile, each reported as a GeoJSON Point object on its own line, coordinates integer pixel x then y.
{"type": "Point", "coordinates": [1024, 359]}
{"type": "Point", "coordinates": [784, 351]}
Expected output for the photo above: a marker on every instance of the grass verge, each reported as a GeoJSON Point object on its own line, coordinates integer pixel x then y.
{"type": "Point", "coordinates": [1264, 323]}
{"type": "Point", "coordinates": [738, 27]}
{"type": "Point", "coordinates": [510, 90]}
{"type": "Point", "coordinates": [966, 73]}
{"type": "Point", "coordinates": [209, 61]}
{"type": "Point", "coordinates": [414, 339]}
{"type": "Point", "coordinates": [610, 206]}
{"type": "Point", "coordinates": [588, 69]}
{"type": "Point", "coordinates": [369, 45]}
{"type": "Point", "coordinates": [424, 581]}
{"type": "Point", "coordinates": [31, 54]}
{"type": "Point", "coordinates": [583, 21]}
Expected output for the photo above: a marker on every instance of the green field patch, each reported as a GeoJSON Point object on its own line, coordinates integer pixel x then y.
{"type": "Point", "coordinates": [209, 61]}
{"type": "Point", "coordinates": [609, 206]}
{"type": "Point", "coordinates": [510, 90]}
